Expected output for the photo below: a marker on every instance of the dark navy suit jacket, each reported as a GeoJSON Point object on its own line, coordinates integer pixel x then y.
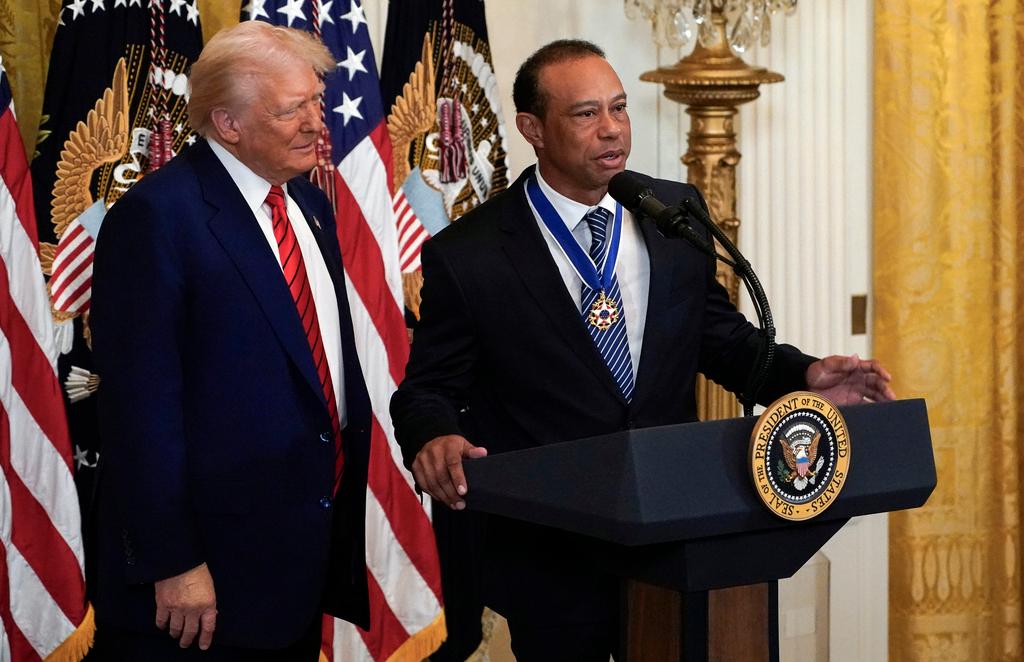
{"type": "Point", "coordinates": [502, 356]}
{"type": "Point", "coordinates": [216, 437]}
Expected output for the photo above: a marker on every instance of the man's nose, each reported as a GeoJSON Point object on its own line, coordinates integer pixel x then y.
{"type": "Point", "coordinates": [312, 117]}
{"type": "Point", "coordinates": [610, 125]}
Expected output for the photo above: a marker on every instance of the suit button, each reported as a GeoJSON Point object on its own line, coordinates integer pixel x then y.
{"type": "Point", "coordinates": [325, 437]}
{"type": "Point", "coordinates": [325, 503]}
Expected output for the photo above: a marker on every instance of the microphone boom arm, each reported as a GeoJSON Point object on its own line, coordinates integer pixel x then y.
{"type": "Point", "coordinates": [743, 269]}
{"type": "Point", "coordinates": [635, 194]}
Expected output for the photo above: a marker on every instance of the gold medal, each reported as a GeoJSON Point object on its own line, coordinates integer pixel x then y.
{"type": "Point", "coordinates": [604, 312]}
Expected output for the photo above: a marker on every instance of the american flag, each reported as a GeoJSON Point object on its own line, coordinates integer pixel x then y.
{"type": "Point", "coordinates": [401, 556]}
{"type": "Point", "coordinates": [43, 613]}
{"type": "Point", "coordinates": [71, 275]}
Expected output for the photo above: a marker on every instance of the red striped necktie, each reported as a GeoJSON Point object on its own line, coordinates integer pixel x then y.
{"type": "Point", "coordinates": [298, 283]}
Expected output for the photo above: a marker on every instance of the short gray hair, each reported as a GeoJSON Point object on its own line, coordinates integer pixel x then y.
{"type": "Point", "coordinates": [235, 57]}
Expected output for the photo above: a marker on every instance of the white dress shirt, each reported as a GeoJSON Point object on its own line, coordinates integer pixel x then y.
{"type": "Point", "coordinates": [633, 268]}
{"type": "Point", "coordinates": [255, 189]}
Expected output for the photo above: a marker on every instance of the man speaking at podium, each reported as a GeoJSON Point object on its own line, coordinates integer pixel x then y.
{"type": "Point", "coordinates": [551, 313]}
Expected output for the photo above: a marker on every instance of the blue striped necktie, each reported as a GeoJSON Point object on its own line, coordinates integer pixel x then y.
{"type": "Point", "coordinates": [611, 342]}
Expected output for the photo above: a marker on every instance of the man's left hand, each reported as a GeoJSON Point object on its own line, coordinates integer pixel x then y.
{"type": "Point", "coordinates": [849, 380]}
{"type": "Point", "coordinates": [186, 606]}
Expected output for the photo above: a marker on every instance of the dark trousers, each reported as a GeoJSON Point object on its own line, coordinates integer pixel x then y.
{"type": "Point", "coordinates": [536, 641]}
{"type": "Point", "coordinates": [560, 602]}
{"type": "Point", "coordinates": [114, 645]}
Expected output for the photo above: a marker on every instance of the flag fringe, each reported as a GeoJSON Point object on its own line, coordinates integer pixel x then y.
{"type": "Point", "coordinates": [412, 283]}
{"type": "Point", "coordinates": [75, 647]}
{"type": "Point", "coordinates": [323, 656]}
{"type": "Point", "coordinates": [420, 645]}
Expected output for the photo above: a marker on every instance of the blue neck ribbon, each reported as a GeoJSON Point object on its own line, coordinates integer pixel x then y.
{"type": "Point", "coordinates": [578, 258]}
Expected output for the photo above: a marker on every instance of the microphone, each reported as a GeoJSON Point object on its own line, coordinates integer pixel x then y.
{"type": "Point", "coordinates": [634, 195]}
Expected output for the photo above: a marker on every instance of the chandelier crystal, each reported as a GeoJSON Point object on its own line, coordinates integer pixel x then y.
{"type": "Point", "coordinates": [675, 22]}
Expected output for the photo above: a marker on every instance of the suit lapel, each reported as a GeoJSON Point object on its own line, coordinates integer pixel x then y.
{"type": "Point", "coordinates": [357, 401]}
{"type": "Point", "coordinates": [236, 230]}
{"type": "Point", "coordinates": [328, 245]}
{"type": "Point", "coordinates": [657, 301]}
{"type": "Point", "coordinates": [529, 254]}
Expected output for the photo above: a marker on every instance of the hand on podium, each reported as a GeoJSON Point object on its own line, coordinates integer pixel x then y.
{"type": "Point", "coordinates": [850, 380]}
{"type": "Point", "coordinates": [438, 468]}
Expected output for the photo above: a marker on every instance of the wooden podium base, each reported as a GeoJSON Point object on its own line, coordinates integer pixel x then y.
{"type": "Point", "coordinates": [739, 624]}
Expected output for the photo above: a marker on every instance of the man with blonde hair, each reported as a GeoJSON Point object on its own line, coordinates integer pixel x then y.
{"type": "Point", "coordinates": [233, 410]}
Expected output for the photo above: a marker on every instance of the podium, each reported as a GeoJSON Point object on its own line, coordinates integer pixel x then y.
{"type": "Point", "coordinates": [675, 507]}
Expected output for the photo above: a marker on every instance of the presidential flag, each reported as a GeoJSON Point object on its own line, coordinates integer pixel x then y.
{"type": "Point", "coordinates": [43, 613]}
{"type": "Point", "coordinates": [444, 119]}
{"type": "Point", "coordinates": [450, 144]}
{"type": "Point", "coordinates": [113, 110]}
{"type": "Point", "coordinates": [401, 557]}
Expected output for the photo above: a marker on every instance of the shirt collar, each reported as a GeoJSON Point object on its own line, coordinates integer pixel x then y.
{"type": "Point", "coordinates": [253, 187]}
{"type": "Point", "coordinates": [570, 211]}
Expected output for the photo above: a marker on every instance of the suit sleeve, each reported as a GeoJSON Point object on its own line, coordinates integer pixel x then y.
{"type": "Point", "coordinates": [138, 319]}
{"type": "Point", "coordinates": [441, 365]}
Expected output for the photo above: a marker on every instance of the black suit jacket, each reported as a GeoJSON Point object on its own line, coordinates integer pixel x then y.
{"type": "Point", "coordinates": [502, 356]}
{"type": "Point", "coordinates": [211, 414]}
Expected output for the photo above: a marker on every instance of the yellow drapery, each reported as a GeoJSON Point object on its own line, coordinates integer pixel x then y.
{"type": "Point", "coordinates": [949, 294]}
{"type": "Point", "coordinates": [26, 37]}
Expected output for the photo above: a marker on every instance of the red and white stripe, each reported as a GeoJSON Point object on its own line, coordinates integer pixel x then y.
{"type": "Point", "coordinates": [71, 274]}
{"type": "Point", "coordinates": [411, 234]}
{"type": "Point", "coordinates": [42, 586]}
{"type": "Point", "coordinates": [401, 555]}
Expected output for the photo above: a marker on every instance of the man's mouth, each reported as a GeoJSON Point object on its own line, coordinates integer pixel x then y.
{"type": "Point", "coordinates": [612, 157]}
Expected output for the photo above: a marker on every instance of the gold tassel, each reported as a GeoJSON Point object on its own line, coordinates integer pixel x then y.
{"type": "Point", "coordinates": [419, 646]}
{"type": "Point", "coordinates": [412, 283]}
{"type": "Point", "coordinates": [323, 656]}
{"type": "Point", "coordinates": [78, 644]}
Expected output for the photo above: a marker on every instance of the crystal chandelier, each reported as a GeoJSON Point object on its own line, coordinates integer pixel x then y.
{"type": "Point", "coordinates": [674, 22]}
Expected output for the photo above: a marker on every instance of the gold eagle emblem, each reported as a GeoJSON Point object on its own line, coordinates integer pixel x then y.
{"type": "Point", "coordinates": [413, 113]}
{"type": "Point", "coordinates": [101, 138]}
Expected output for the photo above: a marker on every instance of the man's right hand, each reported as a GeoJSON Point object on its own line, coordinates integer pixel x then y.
{"type": "Point", "coordinates": [186, 605]}
{"type": "Point", "coordinates": [438, 468]}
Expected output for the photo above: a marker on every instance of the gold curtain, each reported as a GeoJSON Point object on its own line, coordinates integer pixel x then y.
{"type": "Point", "coordinates": [26, 38]}
{"type": "Point", "coordinates": [949, 295]}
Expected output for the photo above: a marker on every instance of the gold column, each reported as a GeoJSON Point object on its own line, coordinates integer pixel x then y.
{"type": "Point", "coordinates": [712, 82]}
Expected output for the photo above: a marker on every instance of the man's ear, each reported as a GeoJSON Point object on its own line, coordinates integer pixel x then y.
{"type": "Point", "coordinates": [225, 125]}
{"type": "Point", "coordinates": [532, 129]}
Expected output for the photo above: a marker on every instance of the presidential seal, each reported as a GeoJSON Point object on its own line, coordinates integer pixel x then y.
{"type": "Point", "coordinates": [799, 455]}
